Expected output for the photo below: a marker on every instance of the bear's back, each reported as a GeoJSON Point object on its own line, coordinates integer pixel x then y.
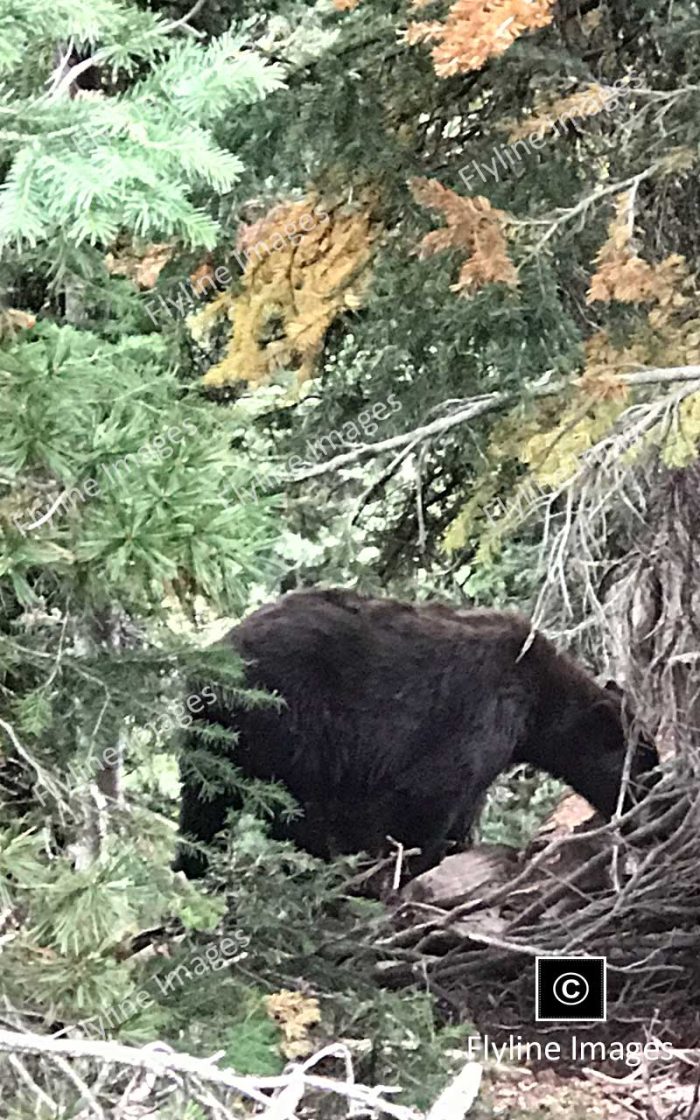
{"type": "Point", "coordinates": [310, 620]}
{"type": "Point", "coordinates": [361, 669]}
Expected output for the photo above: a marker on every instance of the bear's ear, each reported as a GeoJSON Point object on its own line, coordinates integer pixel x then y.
{"type": "Point", "coordinates": [613, 686]}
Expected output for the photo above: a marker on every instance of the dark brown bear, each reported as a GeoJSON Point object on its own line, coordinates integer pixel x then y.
{"type": "Point", "coordinates": [397, 718]}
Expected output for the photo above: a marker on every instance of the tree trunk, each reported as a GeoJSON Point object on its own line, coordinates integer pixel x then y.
{"type": "Point", "coordinates": [654, 636]}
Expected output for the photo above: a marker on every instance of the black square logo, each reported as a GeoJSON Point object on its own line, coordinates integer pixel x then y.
{"type": "Point", "coordinates": [571, 989]}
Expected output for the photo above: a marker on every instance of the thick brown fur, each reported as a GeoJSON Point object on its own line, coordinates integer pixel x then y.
{"type": "Point", "coordinates": [398, 717]}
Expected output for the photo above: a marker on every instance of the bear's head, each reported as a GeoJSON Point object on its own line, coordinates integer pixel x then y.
{"type": "Point", "coordinates": [603, 744]}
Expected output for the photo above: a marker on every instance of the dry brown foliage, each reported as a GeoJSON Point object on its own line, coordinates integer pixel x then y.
{"type": "Point", "coordinates": [623, 275]}
{"type": "Point", "coordinates": [476, 30]}
{"type": "Point", "coordinates": [294, 1013]}
{"type": "Point", "coordinates": [472, 225]}
{"type": "Point", "coordinates": [294, 285]}
{"type": "Point", "coordinates": [576, 106]}
{"type": "Point", "coordinates": [142, 264]}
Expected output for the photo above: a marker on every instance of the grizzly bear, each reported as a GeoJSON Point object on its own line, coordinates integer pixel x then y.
{"type": "Point", "coordinates": [396, 718]}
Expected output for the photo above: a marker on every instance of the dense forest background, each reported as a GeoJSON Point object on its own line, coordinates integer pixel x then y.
{"type": "Point", "coordinates": [393, 296]}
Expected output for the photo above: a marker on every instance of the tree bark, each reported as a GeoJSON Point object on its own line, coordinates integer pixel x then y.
{"type": "Point", "coordinates": [654, 636]}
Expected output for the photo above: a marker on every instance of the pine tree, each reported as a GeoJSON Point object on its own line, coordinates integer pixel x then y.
{"type": "Point", "coordinates": [547, 127]}
{"type": "Point", "coordinates": [123, 502]}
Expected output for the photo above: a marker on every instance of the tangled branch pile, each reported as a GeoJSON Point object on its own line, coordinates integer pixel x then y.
{"type": "Point", "coordinates": [66, 1075]}
{"type": "Point", "coordinates": [626, 890]}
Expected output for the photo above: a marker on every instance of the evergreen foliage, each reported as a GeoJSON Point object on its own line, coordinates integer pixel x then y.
{"type": "Point", "coordinates": [378, 114]}
{"type": "Point", "coordinates": [124, 502]}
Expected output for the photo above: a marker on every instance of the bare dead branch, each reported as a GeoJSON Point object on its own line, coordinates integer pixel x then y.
{"type": "Point", "coordinates": [479, 406]}
{"type": "Point", "coordinates": [159, 1060]}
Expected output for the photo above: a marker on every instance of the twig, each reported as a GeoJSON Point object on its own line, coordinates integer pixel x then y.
{"type": "Point", "coordinates": [661, 376]}
{"type": "Point", "coordinates": [46, 516]}
{"type": "Point", "coordinates": [184, 21]}
{"type": "Point", "coordinates": [28, 1080]}
{"type": "Point", "coordinates": [86, 1093]}
{"type": "Point", "coordinates": [60, 67]}
{"type": "Point", "coordinates": [72, 75]}
{"type": "Point", "coordinates": [589, 200]}
{"type": "Point", "coordinates": [455, 1101]}
{"type": "Point", "coordinates": [386, 474]}
{"type": "Point", "coordinates": [43, 775]}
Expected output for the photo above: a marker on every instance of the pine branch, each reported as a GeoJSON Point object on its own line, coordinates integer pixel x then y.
{"type": "Point", "coordinates": [478, 406]}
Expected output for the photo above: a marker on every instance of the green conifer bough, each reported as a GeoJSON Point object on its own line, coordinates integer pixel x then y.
{"type": "Point", "coordinates": [122, 497]}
